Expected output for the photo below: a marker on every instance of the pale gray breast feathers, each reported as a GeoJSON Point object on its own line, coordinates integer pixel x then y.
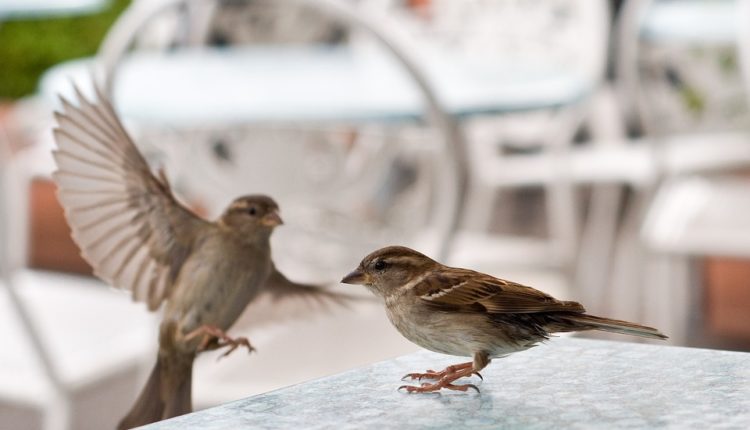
{"type": "Point", "coordinates": [217, 282]}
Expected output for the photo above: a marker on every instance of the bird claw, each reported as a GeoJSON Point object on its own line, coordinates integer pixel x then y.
{"type": "Point", "coordinates": [435, 375]}
{"type": "Point", "coordinates": [429, 388]}
{"type": "Point", "coordinates": [240, 341]}
{"type": "Point", "coordinates": [419, 376]}
{"type": "Point", "coordinates": [444, 378]}
{"type": "Point", "coordinates": [221, 339]}
{"type": "Point", "coordinates": [466, 387]}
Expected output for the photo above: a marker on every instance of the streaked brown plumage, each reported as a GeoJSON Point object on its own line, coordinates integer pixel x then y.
{"type": "Point", "coordinates": [466, 313]}
{"type": "Point", "coordinates": [136, 235]}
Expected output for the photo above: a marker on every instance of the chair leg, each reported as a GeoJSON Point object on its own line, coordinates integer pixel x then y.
{"type": "Point", "coordinates": [599, 231]}
{"type": "Point", "coordinates": [562, 202]}
{"type": "Point", "coordinates": [480, 205]}
{"type": "Point", "coordinates": [668, 304]}
{"type": "Point", "coordinates": [598, 243]}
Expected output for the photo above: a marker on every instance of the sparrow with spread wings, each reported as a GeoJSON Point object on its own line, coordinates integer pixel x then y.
{"type": "Point", "coordinates": [137, 236]}
{"type": "Point", "coordinates": [470, 314]}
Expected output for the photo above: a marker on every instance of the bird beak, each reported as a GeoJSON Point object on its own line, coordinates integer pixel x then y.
{"type": "Point", "coordinates": [272, 219]}
{"type": "Point", "coordinates": [355, 278]}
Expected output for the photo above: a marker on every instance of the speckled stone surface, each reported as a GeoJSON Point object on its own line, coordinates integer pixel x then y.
{"type": "Point", "coordinates": [566, 383]}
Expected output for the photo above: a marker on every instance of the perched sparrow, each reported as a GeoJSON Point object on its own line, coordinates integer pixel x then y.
{"type": "Point", "coordinates": [469, 314]}
{"type": "Point", "coordinates": [136, 235]}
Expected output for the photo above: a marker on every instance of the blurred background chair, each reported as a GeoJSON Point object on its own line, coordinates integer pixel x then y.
{"type": "Point", "coordinates": [73, 352]}
{"type": "Point", "coordinates": [379, 122]}
{"type": "Point", "coordinates": [305, 123]}
{"type": "Point", "coordinates": [311, 96]}
{"type": "Point", "coordinates": [553, 54]}
{"type": "Point", "coordinates": [681, 80]}
{"type": "Point", "coordinates": [39, 9]}
{"type": "Point", "coordinates": [332, 128]}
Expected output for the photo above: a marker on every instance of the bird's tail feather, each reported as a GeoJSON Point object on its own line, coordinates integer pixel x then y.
{"type": "Point", "coordinates": [591, 322]}
{"type": "Point", "coordinates": [167, 392]}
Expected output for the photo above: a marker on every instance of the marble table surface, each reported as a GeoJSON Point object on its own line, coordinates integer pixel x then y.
{"type": "Point", "coordinates": [565, 383]}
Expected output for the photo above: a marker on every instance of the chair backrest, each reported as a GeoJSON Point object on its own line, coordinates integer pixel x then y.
{"type": "Point", "coordinates": [743, 43]}
{"type": "Point", "coordinates": [13, 210]}
{"type": "Point", "coordinates": [572, 33]}
{"type": "Point", "coordinates": [676, 65]}
{"type": "Point", "coordinates": [450, 158]}
{"type": "Point", "coordinates": [4, 218]}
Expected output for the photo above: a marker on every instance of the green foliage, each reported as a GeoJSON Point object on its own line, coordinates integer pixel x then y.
{"type": "Point", "coordinates": [28, 48]}
{"type": "Point", "coordinates": [693, 100]}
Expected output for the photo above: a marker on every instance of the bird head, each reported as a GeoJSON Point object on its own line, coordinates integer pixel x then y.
{"type": "Point", "coordinates": [252, 214]}
{"type": "Point", "coordinates": [390, 268]}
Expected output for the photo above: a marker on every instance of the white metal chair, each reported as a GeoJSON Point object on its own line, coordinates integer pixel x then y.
{"type": "Point", "coordinates": [691, 209]}
{"type": "Point", "coordinates": [74, 351]}
{"type": "Point", "coordinates": [224, 74]}
{"type": "Point", "coordinates": [544, 42]}
{"type": "Point", "coordinates": [440, 163]}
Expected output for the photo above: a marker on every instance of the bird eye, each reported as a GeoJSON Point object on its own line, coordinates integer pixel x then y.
{"type": "Point", "coordinates": [379, 265]}
{"type": "Point", "coordinates": [252, 211]}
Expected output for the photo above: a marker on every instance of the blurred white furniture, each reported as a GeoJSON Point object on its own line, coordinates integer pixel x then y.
{"type": "Point", "coordinates": [98, 345]}
{"type": "Point", "coordinates": [666, 23]}
{"type": "Point", "coordinates": [72, 352]}
{"type": "Point", "coordinates": [225, 77]}
{"type": "Point", "coordinates": [333, 87]}
{"type": "Point", "coordinates": [701, 216]}
{"type": "Point", "coordinates": [34, 9]}
{"type": "Point", "coordinates": [690, 209]}
{"type": "Point", "coordinates": [692, 217]}
{"type": "Point", "coordinates": [475, 87]}
{"type": "Point", "coordinates": [260, 84]}
{"type": "Point", "coordinates": [564, 40]}
{"type": "Point", "coordinates": [314, 88]}
{"type": "Point", "coordinates": [72, 349]}
{"type": "Point", "coordinates": [193, 89]}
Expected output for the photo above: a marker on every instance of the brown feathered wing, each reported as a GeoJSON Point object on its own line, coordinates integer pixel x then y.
{"type": "Point", "coordinates": [126, 221]}
{"type": "Point", "coordinates": [461, 288]}
{"type": "Point", "coordinates": [281, 300]}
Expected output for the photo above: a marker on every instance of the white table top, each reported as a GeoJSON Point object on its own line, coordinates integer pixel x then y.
{"type": "Point", "coordinates": [565, 384]}
{"type": "Point", "coordinates": [704, 21]}
{"type": "Point", "coordinates": [315, 84]}
{"type": "Point", "coordinates": [25, 9]}
{"type": "Point", "coordinates": [86, 327]}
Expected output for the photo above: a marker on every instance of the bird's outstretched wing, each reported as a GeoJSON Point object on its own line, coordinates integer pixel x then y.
{"type": "Point", "coordinates": [126, 221]}
{"type": "Point", "coordinates": [282, 300]}
{"type": "Point", "coordinates": [461, 288]}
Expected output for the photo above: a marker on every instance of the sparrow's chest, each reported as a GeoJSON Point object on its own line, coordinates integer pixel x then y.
{"type": "Point", "coordinates": [216, 284]}
{"type": "Point", "coordinates": [431, 330]}
{"type": "Point", "coordinates": [453, 333]}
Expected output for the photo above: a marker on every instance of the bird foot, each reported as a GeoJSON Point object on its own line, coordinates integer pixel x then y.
{"type": "Point", "coordinates": [429, 388]}
{"type": "Point", "coordinates": [216, 338]}
{"type": "Point", "coordinates": [444, 379]}
{"type": "Point", "coordinates": [434, 375]}
{"type": "Point", "coordinates": [428, 374]}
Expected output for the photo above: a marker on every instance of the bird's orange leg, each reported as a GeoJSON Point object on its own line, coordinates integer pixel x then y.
{"type": "Point", "coordinates": [213, 334]}
{"type": "Point", "coordinates": [445, 381]}
{"type": "Point", "coordinates": [431, 374]}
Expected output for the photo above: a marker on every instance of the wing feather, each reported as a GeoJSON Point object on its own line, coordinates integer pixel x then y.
{"type": "Point", "coordinates": [460, 288]}
{"type": "Point", "coordinates": [126, 221]}
{"type": "Point", "coordinates": [281, 300]}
